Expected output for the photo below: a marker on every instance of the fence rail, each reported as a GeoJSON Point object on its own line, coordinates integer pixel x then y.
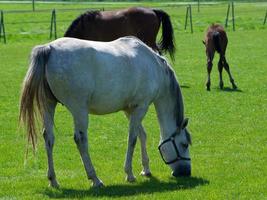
{"type": "Point", "coordinates": [49, 10]}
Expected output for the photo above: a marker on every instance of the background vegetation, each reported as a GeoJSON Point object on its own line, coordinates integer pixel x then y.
{"type": "Point", "coordinates": [143, 0]}
{"type": "Point", "coordinates": [228, 127]}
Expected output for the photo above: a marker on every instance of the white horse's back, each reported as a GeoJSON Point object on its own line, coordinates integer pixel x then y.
{"type": "Point", "coordinates": [109, 79]}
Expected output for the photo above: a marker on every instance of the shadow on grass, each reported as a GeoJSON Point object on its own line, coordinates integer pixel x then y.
{"type": "Point", "coordinates": [150, 186]}
{"type": "Point", "coordinates": [184, 86]}
{"type": "Point", "coordinates": [229, 89]}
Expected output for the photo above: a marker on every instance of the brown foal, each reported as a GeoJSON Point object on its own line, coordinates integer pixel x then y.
{"type": "Point", "coordinates": [216, 40]}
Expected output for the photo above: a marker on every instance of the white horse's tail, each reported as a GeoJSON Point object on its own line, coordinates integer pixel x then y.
{"type": "Point", "coordinates": [35, 92]}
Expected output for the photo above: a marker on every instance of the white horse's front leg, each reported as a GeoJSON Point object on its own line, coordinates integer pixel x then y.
{"type": "Point", "coordinates": [81, 140]}
{"type": "Point", "coordinates": [135, 117]}
{"type": "Point", "coordinates": [145, 159]}
{"type": "Point", "coordinates": [132, 137]}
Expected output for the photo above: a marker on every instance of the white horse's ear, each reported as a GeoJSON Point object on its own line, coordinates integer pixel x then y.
{"type": "Point", "coordinates": [185, 122]}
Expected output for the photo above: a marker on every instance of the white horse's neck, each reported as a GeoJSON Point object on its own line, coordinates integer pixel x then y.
{"type": "Point", "coordinates": [169, 107]}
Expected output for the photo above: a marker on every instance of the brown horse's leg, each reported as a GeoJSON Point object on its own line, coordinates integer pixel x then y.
{"type": "Point", "coordinates": [226, 67]}
{"type": "Point", "coordinates": [152, 43]}
{"type": "Point", "coordinates": [155, 47]}
{"type": "Point", "coordinates": [220, 68]}
{"type": "Point", "coordinates": [209, 68]}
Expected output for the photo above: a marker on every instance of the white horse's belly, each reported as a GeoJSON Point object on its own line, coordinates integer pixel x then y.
{"type": "Point", "coordinates": [99, 109]}
{"type": "Point", "coordinates": [102, 102]}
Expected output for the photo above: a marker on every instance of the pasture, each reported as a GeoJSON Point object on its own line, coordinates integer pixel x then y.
{"type": "Point", "coordinates": [228, 127]}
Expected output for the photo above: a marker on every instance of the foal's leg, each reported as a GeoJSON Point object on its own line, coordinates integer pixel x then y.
{"type": "Point", "coordinates": [210, 56]}
{"type": "Point", "coordinates": [80, 137]}
{"type": "Point", "coordinates": [220, 68]}
{"type": "Point", "coordinates": [226, 67]}
{"type": "Point", "coordinates": [145, 159]}
{"type": "Point", "coordinates": [49, 142]}
{"type": "Point", "coordinates": [135, 118]}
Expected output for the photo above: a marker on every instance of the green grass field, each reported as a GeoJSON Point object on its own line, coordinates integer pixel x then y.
{"type": "Point", "coordinates": [228, 127]}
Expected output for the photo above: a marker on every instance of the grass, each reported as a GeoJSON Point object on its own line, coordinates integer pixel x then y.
{"type": "Point", "coordinates": [228, 127]}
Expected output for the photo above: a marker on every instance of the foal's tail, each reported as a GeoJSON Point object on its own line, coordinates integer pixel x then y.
{"type": "Point", "coordinates": [35, 92]}
{"type": "Point", "coordinates": [216, 40]}
{"type": "Point", "coordinates": [167, 42]}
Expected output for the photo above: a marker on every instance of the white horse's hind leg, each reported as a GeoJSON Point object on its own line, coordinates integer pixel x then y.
{"type": "Point", "coordinates": [81, 140]}
{"type": "Point", "coordinates": [136, 117]}
{"type": "Point", "coordinates": [49, 142]}
{"type": "Point", "coordinates": [145, 159]}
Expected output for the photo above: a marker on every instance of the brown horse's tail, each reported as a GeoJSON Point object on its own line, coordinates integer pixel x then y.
{"type": "Point", "coordinates": [216, 40]}
{"type": "Point", "coordinates": [35, 92]}
{"type": "Point", "coordinates": [167, 42]}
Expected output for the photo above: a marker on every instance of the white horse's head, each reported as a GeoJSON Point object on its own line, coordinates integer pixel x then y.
{"type": "Point", "coordinates": [175, 151]}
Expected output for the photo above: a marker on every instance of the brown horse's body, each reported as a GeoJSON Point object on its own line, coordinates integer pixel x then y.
{"type": "Point", "coordinates": [216, 40]}
{"type": "Point", "coordinates": [143, 23]}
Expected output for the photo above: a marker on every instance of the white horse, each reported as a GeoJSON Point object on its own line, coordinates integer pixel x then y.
{"type": "Point", "coordinates": [100, 78]}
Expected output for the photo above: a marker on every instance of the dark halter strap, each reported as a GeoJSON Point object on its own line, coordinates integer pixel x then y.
{"type": "Point", "coordinates": [172, 140]}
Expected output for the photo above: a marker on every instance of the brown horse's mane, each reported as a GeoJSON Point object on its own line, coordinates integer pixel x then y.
{"type": "Point", "coordinates": [87, 16]}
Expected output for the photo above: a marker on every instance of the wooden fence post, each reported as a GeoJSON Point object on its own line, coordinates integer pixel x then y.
{"type": "Point", "coordinates": [264, 22]}
{"type": "Point", "coordinates": [227, 15]}
{"type": "Point", "coordinates": [233, 15]}
{"type": "Point", "coordinates": [53, 25]}
{"type": "Point", "coordinates": [2, 27]}
{"type": "Point", "coordinates": [188, 12]}
{"type": "Point", "coordinates": [33, 5]}
{"type": "Point", "coordinates": [186, 16]}
{"type": "Point", "coordinates": [190, 8]}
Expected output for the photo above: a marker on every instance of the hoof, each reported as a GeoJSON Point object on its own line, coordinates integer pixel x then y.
{"type": "Point", "coordinates": [208, 86]}
{"type": "Point", "coordinates": [234, 87]}
{"type": "Point", "coordinates": [146, 174]}
{"type": "Point", "coordinates": [98, 184]}
{"type": "Point", "coordinates": [130, 179]}
{"type": "Point", "coordinates": [221, 86]}
{"type": "Point", "coordinates": [54, 184]}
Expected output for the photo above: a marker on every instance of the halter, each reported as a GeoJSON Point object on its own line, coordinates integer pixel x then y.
{"type": "Point", "coordinates": [172, 140]}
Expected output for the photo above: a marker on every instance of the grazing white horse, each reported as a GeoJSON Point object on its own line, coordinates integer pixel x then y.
{"type": "Point", "coordinates": [100, 78]}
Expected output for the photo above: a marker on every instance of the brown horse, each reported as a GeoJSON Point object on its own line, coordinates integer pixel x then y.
{"type": "Point", "coordinates": [216, 40]}
{"type": "Point", "coordinates": [143, 23]}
